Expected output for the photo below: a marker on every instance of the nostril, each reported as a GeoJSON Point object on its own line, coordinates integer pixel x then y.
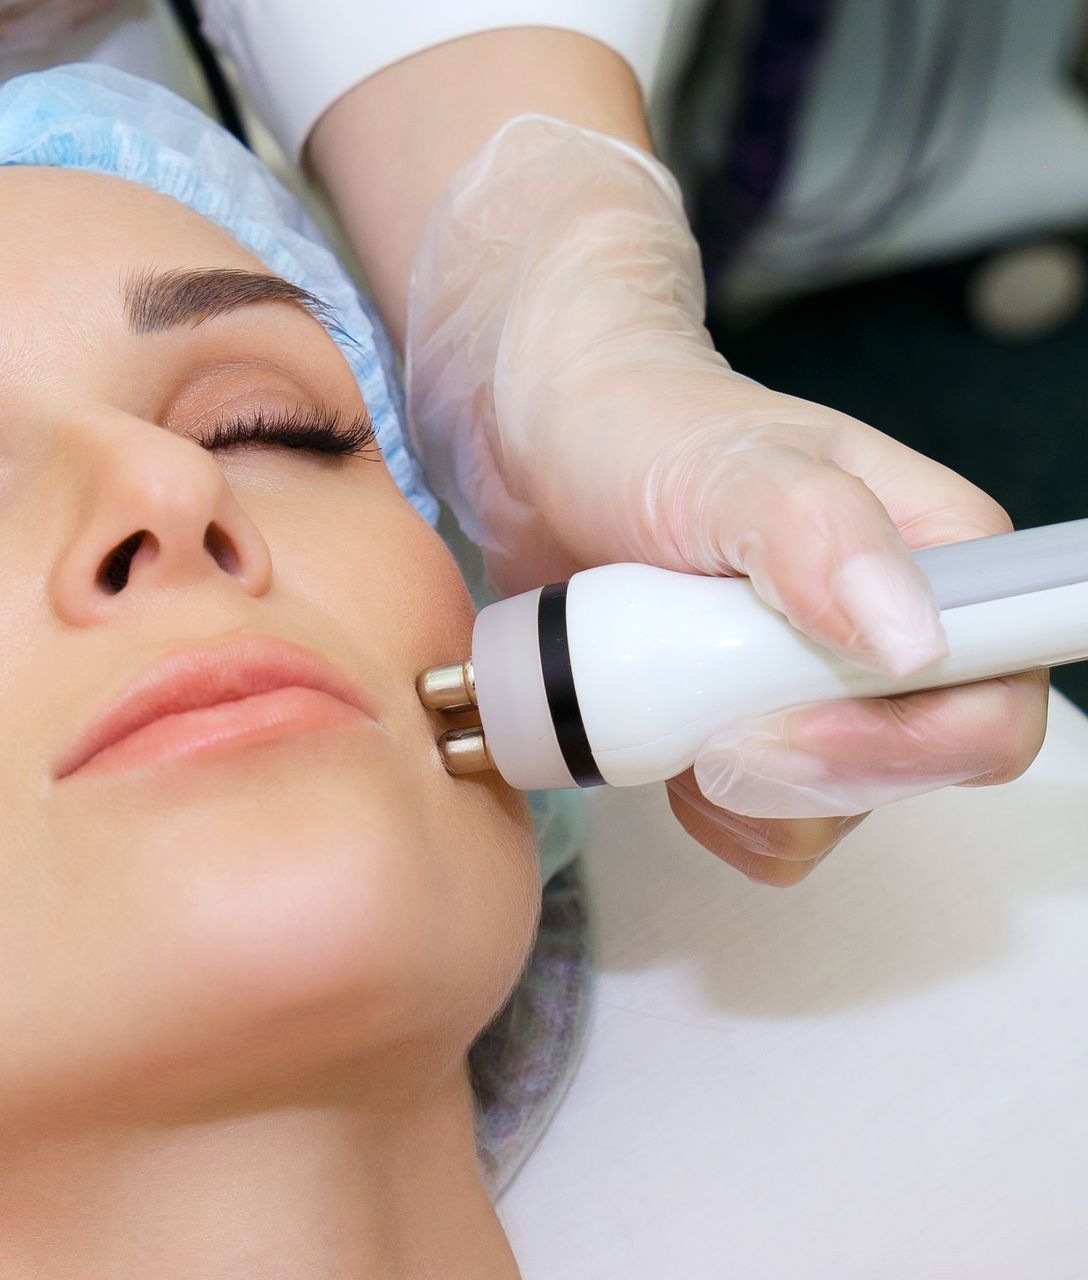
{"type": "Point", "coordinates": [221, 549]}
{"type": "Point", "coordinates": [113, 573]}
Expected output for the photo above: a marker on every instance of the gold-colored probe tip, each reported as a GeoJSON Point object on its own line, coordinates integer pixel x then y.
{"type": "Point", "coordinates": [464, 750]}
{"type": "Point", "coordinates": [449, 688]}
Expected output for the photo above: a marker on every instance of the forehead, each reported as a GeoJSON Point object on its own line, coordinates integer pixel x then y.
{"type": "Point", "coordinates": [90, 262]}
{"type": "Point", "coordinates": [56, 222]}
{"type": "Point", "coordinates": [68, 242]}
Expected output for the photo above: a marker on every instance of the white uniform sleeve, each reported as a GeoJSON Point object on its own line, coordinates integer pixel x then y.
{"type": "Point", "coordinates": [296, 57]}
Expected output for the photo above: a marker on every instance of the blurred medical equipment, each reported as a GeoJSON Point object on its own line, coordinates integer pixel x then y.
{"type": "Point", "coordinates": [622, 674]}
{"type": "Point", "coordinates": [219, 88]}
{"type": "Point", "coordinates": [822, 142]}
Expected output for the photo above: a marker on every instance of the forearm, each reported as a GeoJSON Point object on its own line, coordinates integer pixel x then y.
{"type": "Point", "coordinates": [385, 149]}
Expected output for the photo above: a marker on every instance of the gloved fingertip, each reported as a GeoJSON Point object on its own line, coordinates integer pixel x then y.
{"type": "Point", "coordinates": [899, 657]}
{"type": "Point", "coordinates": [898, 625]}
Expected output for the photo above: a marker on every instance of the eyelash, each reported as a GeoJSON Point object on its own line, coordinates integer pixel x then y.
{"type": "Point", "coordinates": [315, 430]}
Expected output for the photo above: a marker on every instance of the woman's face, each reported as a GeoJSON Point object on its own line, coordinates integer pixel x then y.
{"type": "Point", "coordinates": [308, 904]}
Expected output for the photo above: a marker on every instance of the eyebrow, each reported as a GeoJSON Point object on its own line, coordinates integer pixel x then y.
{"type": "Point", "coordinates": [158, 300]}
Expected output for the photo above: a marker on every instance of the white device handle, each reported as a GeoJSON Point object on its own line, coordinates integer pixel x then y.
{"type": "Point", "coordinates": [658, 661]}
{"type": "Point", "coordinates": [643, 728]}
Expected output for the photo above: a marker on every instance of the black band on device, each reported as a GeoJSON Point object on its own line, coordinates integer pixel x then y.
{"type": "Point", "coordinates": [562, 697]}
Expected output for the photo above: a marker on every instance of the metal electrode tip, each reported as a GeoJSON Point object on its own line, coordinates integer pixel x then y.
{"type": "Point", "coordinates": [464, 751]}
{"type": "Point", "coordinates": [449, 688]}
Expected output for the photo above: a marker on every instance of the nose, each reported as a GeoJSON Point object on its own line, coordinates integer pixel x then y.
{"type": "Point", "coordinates": [152, 510]}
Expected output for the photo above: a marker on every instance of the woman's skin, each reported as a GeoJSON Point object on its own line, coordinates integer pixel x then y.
{"type": "Point", "coordinates": [238, 988]}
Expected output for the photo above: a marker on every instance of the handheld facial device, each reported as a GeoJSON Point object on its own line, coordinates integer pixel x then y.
{"type": "Point", "coordinates": [621, 674]}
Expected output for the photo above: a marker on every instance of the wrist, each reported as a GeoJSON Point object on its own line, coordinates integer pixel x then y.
{"type": "Point", "coordinates": [387, 147]}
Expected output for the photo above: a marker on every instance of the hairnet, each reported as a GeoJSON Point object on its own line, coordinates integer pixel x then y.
{"type": "Point", "coordinates": [86, 116]}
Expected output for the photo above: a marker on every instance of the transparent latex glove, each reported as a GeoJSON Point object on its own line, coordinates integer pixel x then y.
{"type": "Point", "coordinates": [568, 403]}
{"type": "Point", "coordinates": [30, 25]}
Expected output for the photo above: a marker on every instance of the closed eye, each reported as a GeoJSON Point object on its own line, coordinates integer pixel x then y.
{"type": "Point", "coordinates": [313, 429]}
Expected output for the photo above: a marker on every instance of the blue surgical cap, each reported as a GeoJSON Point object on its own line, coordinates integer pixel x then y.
{"type": "Point", "coordinates": [86, 116]}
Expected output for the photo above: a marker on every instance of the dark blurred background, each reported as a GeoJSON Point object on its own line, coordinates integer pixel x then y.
{"type": "Point", "coordinates": [891, 197]}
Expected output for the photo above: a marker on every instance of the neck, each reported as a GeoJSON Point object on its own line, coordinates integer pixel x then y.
{"type": "Point", "coordinates": [311, 1191]}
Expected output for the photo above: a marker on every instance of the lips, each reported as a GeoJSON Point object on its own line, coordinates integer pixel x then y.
{"type": "Point", "coordinates": [206, 675]}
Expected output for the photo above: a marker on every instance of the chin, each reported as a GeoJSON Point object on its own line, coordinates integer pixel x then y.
{"type": "Point", "coordinates": [304, 939]}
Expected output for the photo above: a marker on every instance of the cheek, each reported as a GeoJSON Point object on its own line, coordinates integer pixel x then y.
{"type": "Point", "coordinates": [366, 559]}
{"type": "Point", "coordinates": [434, 606]}
{"type": "Point", "coordinates": [487, 877]}
{"type": "Point", "coordinates": [396, 591]}
{"type": "Point", "coordinates": [488, 829]}
{"type": "Point", "coordinates": [393, 589]}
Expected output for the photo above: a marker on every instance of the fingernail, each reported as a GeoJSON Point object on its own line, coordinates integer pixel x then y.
{"type": "Point", "coordinates": [898, 615]}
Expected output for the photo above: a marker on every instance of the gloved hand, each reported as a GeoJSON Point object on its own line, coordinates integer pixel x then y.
{"type": "Point", "coordinates": [568, 403]}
